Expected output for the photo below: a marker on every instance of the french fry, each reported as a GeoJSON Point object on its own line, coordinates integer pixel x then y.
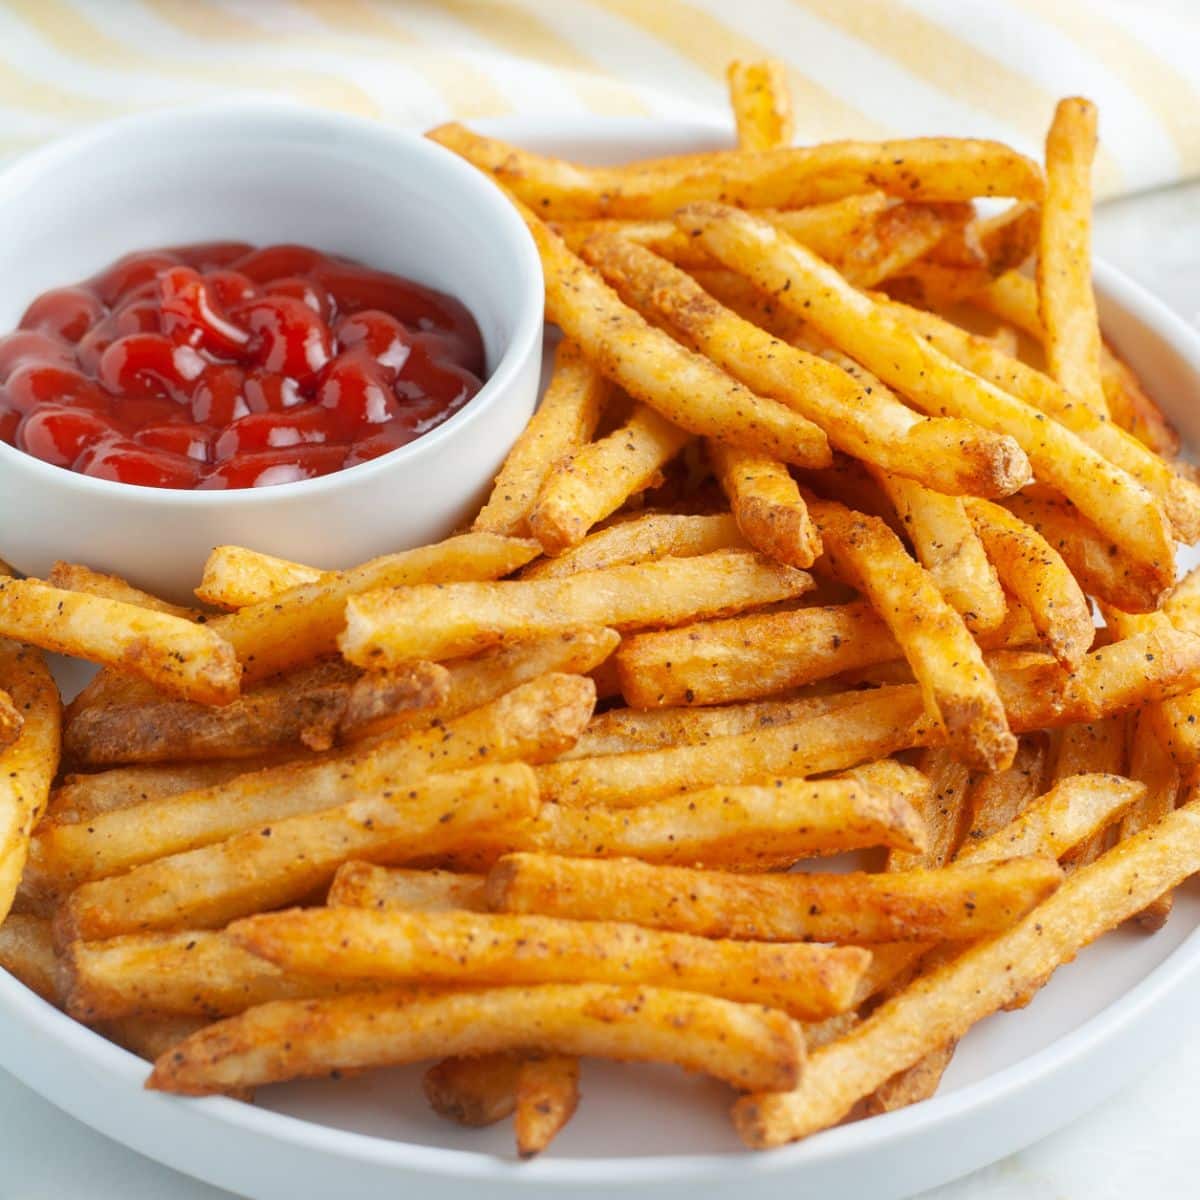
{"type": "Point", "coordinates": [29, 764]}
{"type": "Point", "coordinates": [1066, 303]}
{"type": "Point", "coordinates": [953, 456]}
{"type": "Point", "coordinates": [10, 720]}
{"type": "Point", "coordinates": [499, 949]}
{"type": "Point", "coordinates": [1150, 765]}
{"type": "Point", "coordinates": [236, 577]}
{"type": "Point", "coordinates": [183, 658]}
{"type": "Point", "coordinates": [153, 1035]}
{"type": "Point", "coordinates": [744, 1045]}
{"type": "Point", "coordinates": [686, 388]}
{"type": "Point", "coordinates": [195, 973]}
{"type": "Point", "coordinates": [387, 628]}
{"type": "Point", "coordinates": [547, 1095]}
{"type": "Point", "coordinates": [947, 663]}
{"type": "Point", "coordinates": [283, 862]}
{"type": "Point", "coordinates": [475, 1092]}
{"type": "Point", "coordinates": [939, 1007]}
{"type": "Point", "coordinates": [27, 954]}
{"type": "Point", "coordinates": [998, 798]}
{"type": "Point", "coordinates": [642, 539]}
{"type": "Point", "coordinates": [766, 504]}
{"type": "Point", "coordinates": [74, 577]}
{"type": "Point", "coordinates": [761, 102]}
{"type": "Point", "coordinates": [949, 548]}
{"type": "Point", "coordinates": [955, 903]}
{"type": "Point", "coordinates": [312, 707]}
{"type": "Point", "coordinates": [364, 885]}
{"type": "Point", "coordinates": [532, 722]}
{"type": "Point", "coordinates": [591, 483]}
{"type": "Point", "coordinates": [1033, 571]}
{"type": "Point", "coordinates": [565, 420]}
{"type": "Point", "coordinates": [916, 169]}
{"type": "Point", "coordinates": [899, 238]}
{"type": "Point", "coordinates": [942, 809]}
{"type": "Point", "coordinates": [1106, 495]}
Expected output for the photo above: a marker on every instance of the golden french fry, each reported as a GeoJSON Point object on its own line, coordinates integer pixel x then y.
{"type": "Point", "coordinates": [27, 765]}
{"type": "Point", "coordinates": [534, 721]}
{"type": "Point", "coordinates": [388, 628]}
{"type": "Point", "coordinates": [182, 658]}
{"type": "Point", "coordinates": [766, 504]}
{"type": "Point", "coordinates": [916, 169]}
{"type": "Point", "coordinates": [501, 949]}
{"type": "Point", "coordinates": [74, 577]}
{"type": "Point", "coordinates": [951, 904]}
{"type": "Point", "coordinates": [1108, 496]}
{"type": "Point", "coordinates": [591, 483]}
{"type": "Point", "coordinates": [547, 1095]}
{"type": "Point", "coordinates": [942, 809]}
{"type": "Point", "coordinates": [11, 720]}
{"type": "Point", "coordinates": [951, 455]}
{"type": "Point", "coordinates": [941, 1006]}
{"type": "Point", "coordinates": [311, 707]}
{"type": "Point", "coordinates": [1033, 571]}
{"type": "Point", "coordinates": [1151, 766]}
{"type": "Point", "coordinates": [565, 419]}
{"type": "Point", "coordinates": [236, 577]}
{"type": "Point", "coordinates": [997, 799]}
{"type": "Point", "coordinates": [364, 885]}
{"type": "Point", "coordinates": [1066, 303]}
{"type": "Point", "coordinates": [283, 862]}
{"type": "Point", "coordinates": [475, 1092]}
{"type": "Point", "coordinates": [761, 102]}
{"type": "Point", "coordinates": [27, 954]}
{"type": "Point", "coordinates": [646, 538]}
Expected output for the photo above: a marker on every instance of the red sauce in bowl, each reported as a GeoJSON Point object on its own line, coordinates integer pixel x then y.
{"type": "Point", "coordinates": [225, 366]}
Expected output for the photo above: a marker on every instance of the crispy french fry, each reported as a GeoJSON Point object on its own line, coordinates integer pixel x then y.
{"type": "Point", "coordinates": [951, 455]}
{"type": "Point", "coordinates": [1066, 303]}
{"type": "Point", "coordinates": [761, 102]}
{"type": "Point", "coordinates": [1152, 766]}
{"type": "Point", "coordinates": [1108, 496]}
{"type": "Point", "coordinates": [364, 885]}
{"type": "Point", "coordinates": [311, 707]}
{"type": "Point", "coordinates": [183, 658]}
{"type": "Point", "coordinates": [565, 420]}
{"type": "Point", "coordinates": [283, 862]}
{"type": "Point", "coordinates": [955, 903]}
{"type": "Point", "coordinates": [766, 504]}
{"type": "Point", "coordinates": [475, 1092]}
{"type": "Point", "coordinates": [27, 954]}
{"type": "Point", "coordinates": [153, 1035]}
{"type": "Point", "coordinates": [942, 809]}
{"type": "Point", "coordinates": [1033, 571]}
{"type": "Point", "coordinates": [74, 577]}
{"type": "Point", "coordinates": [941, 1006]}
{"type": "Point", "coordinates": [591, 483]}
{"type": "Point", "coordinates": [642, 539]}
{"type": "Point", "coordinates": [500, 949]}
{"type": "Point", "coordinates": [916, 169]}
{"type": "Point", "coordinates": [236, 577]}
{"type": "Point", "coordinates": [10, 720]}
{"type": "Point", "coordinates": [957, 686]}
{"type": "Point", "coordinates": [998, 798]}
{"type": "Point", "coordinates": [547, 1095]}
{"type": "Point", "coordinates": [388, 628]}
{"type": "Point", "coordinates": [534, 721]}
{"type": "Point", "coordinates": [29, 764]}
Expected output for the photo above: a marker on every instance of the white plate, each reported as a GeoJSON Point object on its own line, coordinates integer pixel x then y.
{"type": "Point", "coordinates": [647, 1131]}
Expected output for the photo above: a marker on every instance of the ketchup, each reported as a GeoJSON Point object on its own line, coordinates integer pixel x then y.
{"type": "Point", "coordinates": [224, 366]}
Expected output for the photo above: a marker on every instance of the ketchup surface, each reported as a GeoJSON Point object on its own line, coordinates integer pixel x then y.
{"type": "Point", "coordinates": [224, 366]}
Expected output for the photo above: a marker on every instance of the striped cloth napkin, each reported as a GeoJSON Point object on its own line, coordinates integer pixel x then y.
{"type": "Point", "coordinates": [859, 68]}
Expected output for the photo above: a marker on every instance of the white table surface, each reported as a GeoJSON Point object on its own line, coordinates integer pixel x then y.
{"type": "Point", "coordinates": [1144, 1144]}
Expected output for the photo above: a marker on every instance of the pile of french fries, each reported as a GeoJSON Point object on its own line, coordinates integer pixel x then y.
{"type": "Point", "coordinates": [799, 556]}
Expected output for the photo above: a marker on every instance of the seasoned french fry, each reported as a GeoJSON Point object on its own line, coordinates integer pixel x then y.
{"type": "Point", "coordinates": [942, 809]}
{"type": "Point", "coordinates": [1033, 571]}
{"type": "Point", "coordinates": [947, 663]}
{"type": "Point", "coordinates": [10, 720]}
{"type": "Point", "coordinates": [388, 628]}
{"type": "Point", "coordinates": [475, 1092]}
{"type": "Point", "coordinates": [565, 420]}
{"type": "Point", "coordinates": [499, 949]}
{"type": "Point", "coordinates": [364, 885]}
{"type": "Point", "coordinates": [27, 954]}
{"type": "Point", "coordinates": [766, 504]}
{"type": "Point", "coordinates": [534, 721]}
{"type": "Point", "coordinates": [27, 765]}
{"type": "Point", "coordinates": [311, 707]}
{"type": "Point", "coordinates": [152, 1035]}
{"type": "Point", "coordinates": [761, 102]}
{"type": "Point", "coordinates": [744, 1045]}
{"type": "Point", "coordinates": [547, 1095]}
{"type": "Point", "coordinates": [1108, 496]}
{"type": "Point", "coordinates": [74, 577]}
{"type": "Point", "coordinates": [916, 169]}
{"type": "Point", "coordinates": [955, 903]}
{"type": "Point", "coordinates": [998, 798]}
{"type": "Point", "coordinates": [953, 456]}
{"type": "Point", "coordinates": [236, 577]}
{"type": "Point", "coordinates": [642, 539]}
{"type": "Point", "coordinates": [591, 483]}
{"type": "Point", "coordinates": [941, 1006]}
{"type": "Point", "coordinates": [183, 658]}
{"type": "Point", "coordinates": [1150, 765]}
{"type": "Point", "coordinates": [1066, 303]}
{"type": "Point", "coordinates": [283, 862]}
